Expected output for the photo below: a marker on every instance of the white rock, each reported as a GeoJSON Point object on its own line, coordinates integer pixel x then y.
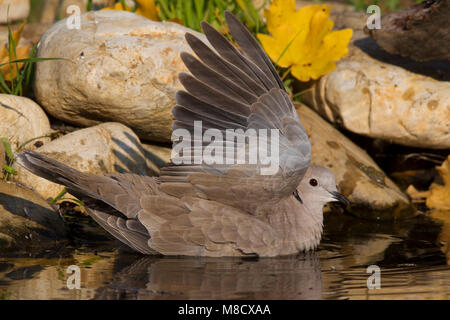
{"type": "Point", "coordinates": [122, 68]}
{"type": "Point", "coordinates": [21, 120]}
{"type": "Point", "coordinates": [106, 148]}
{"type": "Point", "coordinates": [384, 100]}
{"type": "Point", "coordinates": [18, 10]}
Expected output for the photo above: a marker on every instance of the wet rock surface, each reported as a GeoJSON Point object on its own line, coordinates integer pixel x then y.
{"type": "Point", "coordinates": [26, 220]}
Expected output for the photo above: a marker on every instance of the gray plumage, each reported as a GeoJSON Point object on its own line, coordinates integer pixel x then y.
{"type": "Point", "coordinates": [210, 209]}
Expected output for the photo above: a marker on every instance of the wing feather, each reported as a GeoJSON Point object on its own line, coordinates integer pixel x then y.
{"type": "Point", "coordinates": [237, 89]}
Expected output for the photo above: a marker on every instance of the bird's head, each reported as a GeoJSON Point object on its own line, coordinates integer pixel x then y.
{"type": "Point", "coordinates": [319, 187]}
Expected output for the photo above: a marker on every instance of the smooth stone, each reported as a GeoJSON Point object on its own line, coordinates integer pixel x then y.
{"type": "Point", "coordinates": [378, 95]}
{"type": "Point", "coordinates": [21, 119]}
{"type": "Point", "coordinates": [123, 68]}
{"type": "Point", "coordinates": [103, 149]}
{"type": "Point", "coordinates": [371, 193]}
{"type": "Point", "coordinates": [18, 10]}
{"type": "Point", "coordinates": [26, 220]}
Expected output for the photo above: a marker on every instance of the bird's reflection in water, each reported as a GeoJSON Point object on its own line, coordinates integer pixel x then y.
{"type": "Point", "coordinates": [294, 277]}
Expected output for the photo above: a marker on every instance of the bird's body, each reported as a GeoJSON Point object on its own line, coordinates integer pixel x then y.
{"type": "Point", "coordinates": [204, 208]}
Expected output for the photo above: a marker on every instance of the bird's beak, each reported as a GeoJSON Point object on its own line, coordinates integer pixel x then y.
{"type": "Point", "coordinates": [340, 197]}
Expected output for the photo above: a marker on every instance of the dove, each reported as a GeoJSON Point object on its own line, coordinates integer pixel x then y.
{"type": "Point", "coordinates": [203, 208]}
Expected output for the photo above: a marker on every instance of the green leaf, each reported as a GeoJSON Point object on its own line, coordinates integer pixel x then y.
{"type": "Point", "coordinates": [9, 170]}
{"type": "Point", "coordinates": [32, 60]}
{"type": "Point", "coordinates": [8, 148]}
{"type": "Point", "coordinates": [58, 197]}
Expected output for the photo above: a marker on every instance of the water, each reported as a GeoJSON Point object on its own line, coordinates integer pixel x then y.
{"type": "Point", "coordinates": [413, 257]}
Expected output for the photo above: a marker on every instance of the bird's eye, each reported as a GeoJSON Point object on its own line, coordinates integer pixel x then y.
{"type": "Point", "coordinates": [313, 182]}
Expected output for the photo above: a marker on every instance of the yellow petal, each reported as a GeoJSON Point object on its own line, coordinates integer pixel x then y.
{"type": "Point", "coordinates": [118, 6]}
{"type": "Point", "coordinates": [148, 9]}
{"type": "Point", "coordinates": [278, 12]}
{"type": "Point", "coordinates": [9, 71]}
{"type": "Point", "coordinates": [319, 26]}
{"type": "Point", "coordinates": [303, 39]}
{"type": "Point", "coordinates": [335, 44]}
{"type": "Point", "coordinates": [274, 50]}
{"type": "Point", "coordinates": [3, 53]}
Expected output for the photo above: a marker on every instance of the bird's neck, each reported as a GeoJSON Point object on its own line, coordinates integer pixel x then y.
{"type": "Point", "coordinates": [300, 226]}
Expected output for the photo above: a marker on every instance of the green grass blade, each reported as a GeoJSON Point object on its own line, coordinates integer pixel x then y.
{"type": "Point", "coordinates": [4, 87]}
{"type": "Point", "coordinates": [9, 169]}
{"type": "Point", "coordinates": [7, 147]}
{"type": "Point", "coordinates": [58, 197]}
{"type": "Point", "coordinates": [32, 60]}
{"type": "Point", "coordinates": [164, 11]}
{"type": "Point", "coordinates": [287, 47]}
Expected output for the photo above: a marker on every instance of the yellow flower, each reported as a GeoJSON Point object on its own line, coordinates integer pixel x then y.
{"type": "Point", "coordinates": [302, 40]}
{"type": "Point", "coordinates": [9, 71]}
{"type": "Point", "coordinates": [439, 197]}
{"type": "Point", "coordinates": [146, 8]}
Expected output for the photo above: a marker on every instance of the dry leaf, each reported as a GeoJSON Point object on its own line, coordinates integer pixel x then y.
{"type": "Point", "coordinates": [7, 54]}
{"type": "Point", "coordinates": [439, 197]}
{"type": "Point", "coordinates": [146, 8]}
{"type": "Point", "coordinates": [303, 39]}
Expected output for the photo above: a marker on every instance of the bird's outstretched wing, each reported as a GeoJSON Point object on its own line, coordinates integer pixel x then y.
{"type": "Point", "coordinates": [240, 90]}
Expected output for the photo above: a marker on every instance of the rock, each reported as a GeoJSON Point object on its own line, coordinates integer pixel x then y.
{"type": "Point", "coordinates": [156, 156]}
{"type": "Point", "coordinates": [26, 220]}
{"type": "Point", "coordinates": [371, 192]}
{"type": "Point", "coordinates": [377, 95]}
{"type": "Point", "coordinates": [425, 23]}
{"type": "Point", "coordinates": [344, 19]}
{"type": "Point", "coordinates": [106, 148]}
{"type": "Point", "coordinates": [123, 68]}
{"type": "Point", "coordinates": [18, 10]}
{"type": "Point", "coordinates": [21, 119]}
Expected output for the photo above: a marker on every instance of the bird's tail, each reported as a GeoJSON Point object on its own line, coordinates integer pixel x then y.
{"type": "Point", "coordinates": [57, 172]}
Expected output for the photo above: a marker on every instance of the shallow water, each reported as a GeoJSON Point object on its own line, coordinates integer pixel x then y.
{"type": "Point", "coordinates": [411, 255]}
